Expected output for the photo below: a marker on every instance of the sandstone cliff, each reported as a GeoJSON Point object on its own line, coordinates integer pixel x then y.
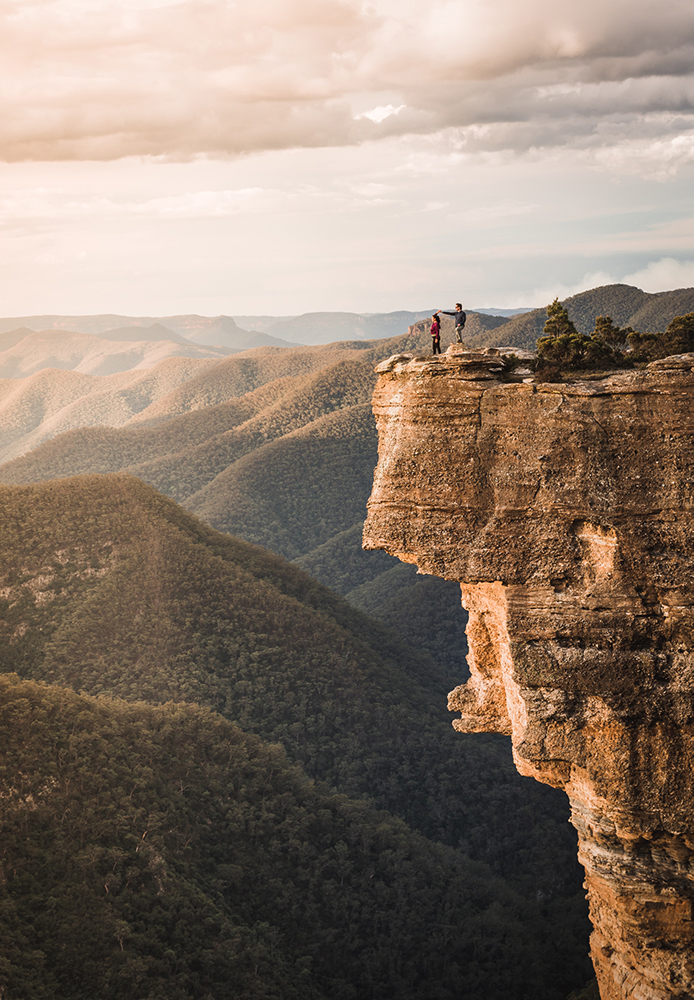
{"type": "Point", "coordinates": [565, 511]}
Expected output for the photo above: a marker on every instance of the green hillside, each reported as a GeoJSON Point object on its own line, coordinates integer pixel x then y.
{"type": "Point", "coordinates": [342, 564]}
{"type": "Point", "coordinates": [111, 589]}
{"type": "Point", "coordinates": [425, 612]}
{"type": "Point", "coordinates": [287, 465]}
{"type": "Point", "coordinates": [657, 313]}
{"type": "Point", "coordinates": [183, 454]}
{"type": "Point", "coordinates": [160, 853]}
{"type": "Point", "coordinates": [114, 591]}
{"type": "Point", "coordinates": [627, 305]}
{"type": "Point", "coordinates": [294, 493]}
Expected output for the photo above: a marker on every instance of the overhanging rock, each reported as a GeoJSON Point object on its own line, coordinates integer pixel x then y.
{"type": "Point", "coordinates": [565, 511]}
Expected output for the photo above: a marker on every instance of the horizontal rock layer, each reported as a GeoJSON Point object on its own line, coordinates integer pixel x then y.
{"type": "Point", "coordinates": [565, 511]}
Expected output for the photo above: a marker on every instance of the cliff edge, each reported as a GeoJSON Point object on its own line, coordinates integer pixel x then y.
{"type": "Point", "coordinates": [565, 511]}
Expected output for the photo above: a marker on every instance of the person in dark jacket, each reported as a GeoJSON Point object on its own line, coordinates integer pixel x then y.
{"type": "Point", "coordinates": [460, 318]}
{"type": "Point", "coordinates": [435, 331]}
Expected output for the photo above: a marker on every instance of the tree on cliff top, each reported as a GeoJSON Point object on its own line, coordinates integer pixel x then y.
{"type": "Point", "coordinates": [562, 346]}
{"type": "Point", "coordinates": [558, 323]}
{"type": "Point", "coordinates": [677, 339]}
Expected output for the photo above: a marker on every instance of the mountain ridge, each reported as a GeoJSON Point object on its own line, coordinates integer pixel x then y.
{"type": "Point", "coordinates": [90, 355]}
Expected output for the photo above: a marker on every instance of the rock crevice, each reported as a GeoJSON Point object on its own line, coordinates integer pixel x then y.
{"type": "Point", "coordinates": [565, 512]}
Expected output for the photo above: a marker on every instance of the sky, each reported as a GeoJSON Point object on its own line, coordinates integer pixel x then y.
{"type": "Point", "coordinates": [287, 156]}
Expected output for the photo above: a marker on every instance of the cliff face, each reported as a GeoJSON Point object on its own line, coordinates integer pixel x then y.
{"type": "Point", "coordinates": [565, 511]}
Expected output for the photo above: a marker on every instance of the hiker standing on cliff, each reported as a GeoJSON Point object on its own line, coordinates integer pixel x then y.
{"type": "Point", "coordinates": [435, 331]}
{"type": "Point", "coordinates": [460, 318]}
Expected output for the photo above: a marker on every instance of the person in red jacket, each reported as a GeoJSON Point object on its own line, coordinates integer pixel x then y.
{"type": "Point", "coordinates": [435, 331]}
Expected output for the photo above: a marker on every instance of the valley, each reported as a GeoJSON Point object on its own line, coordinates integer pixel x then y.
{"type": "Point", "coordinates": [235, 717]}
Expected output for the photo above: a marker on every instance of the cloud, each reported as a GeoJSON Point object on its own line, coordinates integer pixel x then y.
{"type": "Point", "coordinates": [548, 293]}
{"type": "Point", "coordinates": [81, 79]}
{"type": "Point", "coordinates": [380, 113]}
{"type": "Point", "coordinates": [663, 275]}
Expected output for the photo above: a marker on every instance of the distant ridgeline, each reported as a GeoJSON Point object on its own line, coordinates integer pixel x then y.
{"type": "Point", "coordinates": [25, 341]}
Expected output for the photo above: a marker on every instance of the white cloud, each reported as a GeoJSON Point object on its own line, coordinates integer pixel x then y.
{"type": "Point", "coordinates": [548, 293]}
{"type": "Point", "coordinates": [380, 113]}
{"type": "Point", "coordinates": [663, 275]}
{"type": "Point", "coordinates": [114, 78]}
{"type": "Point", "coordinates": [659, 158]}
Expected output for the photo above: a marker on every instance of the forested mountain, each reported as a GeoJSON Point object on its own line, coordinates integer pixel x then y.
{"type": "Point", "coordinates": [159, 852]}
{"type": "Point", "coordinates": [201, 854]}
{"type": "Point", "coordinates": [51, 402]}
{"type": "Point", "coordinates": [228, 872]}
{"type": "Point", "coordinates": [288, 466]}
{"type": "Point", "coordinates": [627, 305]}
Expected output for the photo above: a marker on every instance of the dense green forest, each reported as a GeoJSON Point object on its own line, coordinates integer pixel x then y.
{"type": "Point", "coordinates": [563, 350]}
{"type": "Point", "coordinates": [160, 853]}
{"type": "Point", "coordinates": [151, 848]}
{"type": "Point", "coordinates": [113, 590]}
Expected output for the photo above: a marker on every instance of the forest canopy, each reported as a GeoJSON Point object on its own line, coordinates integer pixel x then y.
{"type": "Point", "coordinates": [112, 589]}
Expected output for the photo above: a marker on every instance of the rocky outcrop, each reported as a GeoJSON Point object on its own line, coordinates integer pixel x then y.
{"type": "Point", "coordinates": [565, 511]}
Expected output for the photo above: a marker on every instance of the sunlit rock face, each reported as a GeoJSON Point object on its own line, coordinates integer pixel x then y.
{"type": "Point", "coordinates": [565, 511]}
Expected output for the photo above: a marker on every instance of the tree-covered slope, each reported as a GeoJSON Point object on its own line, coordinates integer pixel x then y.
{"type": "Point", "coordinates": [160, 853]}
{"type": "Point", "coordinates": [292, 387]}
{"type": "Point", "coordinates": [182, 455]}
{"type": "Point", "coordinates": [658, 311]}
{"type": "Point", "coordinates": [424, 611]}
{"type": "Point", "coordinates": [627, 305]}
{"type": "Point", "coordinates": [298, 491]}
{"type": "Point", "coordinates": [112, 589]}
{"type": "Point", "coordinates": [342, 564]}
{"type": "Point", "coordinates": [287, 465]}
{"type": "Point", "coordinates": [244, 373]}
{"type": "Point", "coordinates": [49, 403]}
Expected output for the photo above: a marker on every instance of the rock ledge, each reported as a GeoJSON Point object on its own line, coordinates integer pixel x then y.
{"type": "Point", "coordinates": [565, 511]}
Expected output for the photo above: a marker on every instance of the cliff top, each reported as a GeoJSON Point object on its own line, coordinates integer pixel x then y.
{"type": "Point", "coordinates": [497, 363]}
